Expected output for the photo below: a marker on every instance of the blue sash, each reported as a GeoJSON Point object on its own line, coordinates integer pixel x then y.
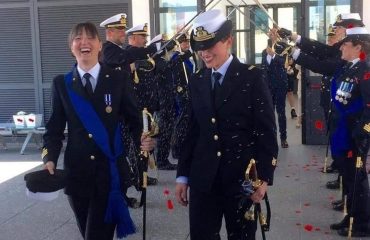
{"type": "Point", "coordinates": [117, 211]}
{"type": "Point", "coordinates": [340, 139]}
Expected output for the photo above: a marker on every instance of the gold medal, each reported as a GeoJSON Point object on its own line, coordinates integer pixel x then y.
{"type": "Point", "coordinates": [108, 109]}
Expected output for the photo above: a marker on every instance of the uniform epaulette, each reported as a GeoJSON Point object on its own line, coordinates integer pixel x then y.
{"type": "Point", "coordinates": [251, 67]}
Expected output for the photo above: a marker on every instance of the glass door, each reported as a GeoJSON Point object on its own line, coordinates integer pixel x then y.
{"type": "Point", "coordinates": [251, 25]}
{"type": "Point", "coordinates": [321, 13]}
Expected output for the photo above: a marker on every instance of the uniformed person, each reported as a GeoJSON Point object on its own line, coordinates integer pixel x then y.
{"type": "Point", "coordinates": [277, 78]}
{"type": "Point", "coordinates": [184, 65]}
{"type": "Point", "coordinates": [332, 39]}
{"type": "Point", "coordinates": [166, 100]}
{"type": "Point", "coordinates": [114, 55]}
{"type": "Point", "coordinates": [325, 104]}
{"type": "Point", "coordinates": [320, 57]}
{"type": "Point", "coordinates": [350, 92]}
{"type": "Point", "coordinates": [232, 121]}
{"type": "Point", "coordinates": [92, 99]}
{"type": "Point", "coordinates": [324, 59]}
{"type": "Point", "coordinates": [143, 79]}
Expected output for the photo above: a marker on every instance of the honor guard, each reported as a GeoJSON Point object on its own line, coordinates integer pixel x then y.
{"type": "Point", "coordinates": [143, 73]}
{"type": "Point", "coordinates": [324, 59]}
{"type": "Point", "coordinates": [184, 64]}
{"type": "Point", "coordinates": [350, 137]}
{"type": "Point", "coordinates": [143, 78]}
{"type": "Point", "coordinates": [166, 99]}
{"type": "Point", "coordinates": [277, 78]}
{"type": "Point", "coordinates": [114, 55]}
{"type": "Point", "coordinates": [317, 56]}
{"type": "Point", "coordinates": [232, 121]}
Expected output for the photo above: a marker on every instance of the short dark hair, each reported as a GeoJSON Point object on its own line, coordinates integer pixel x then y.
{"type": "Point", "coordinates": [89, 27]}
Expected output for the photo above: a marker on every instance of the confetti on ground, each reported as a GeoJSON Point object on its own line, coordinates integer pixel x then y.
{"type": "Point", "coordinates": [308, 227]}
{"type": "Point", "coordinates": [306, 204]}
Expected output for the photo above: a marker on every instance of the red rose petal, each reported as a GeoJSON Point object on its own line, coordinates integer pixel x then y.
{"type": "Point", "coordinates": [166, 192]}
{"type": "Point", "coordinates": [169, 204]}
{"type": "Point", "coordinates": [306, 204]}
{"type": "Point", "coordinates": [308, 227]}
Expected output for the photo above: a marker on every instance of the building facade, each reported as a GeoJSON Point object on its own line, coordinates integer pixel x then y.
{"type": "Point", "coordinates": [34, 47]}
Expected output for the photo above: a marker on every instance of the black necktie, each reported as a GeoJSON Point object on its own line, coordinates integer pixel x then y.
{"type": "Point", "coordinates": [88, 85]}
{"type": "Point", "coordinates": [216, 76]}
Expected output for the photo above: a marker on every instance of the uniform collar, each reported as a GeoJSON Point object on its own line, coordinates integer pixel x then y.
{"type": "Point", "coordinates": [224, 66]}
{"type": "Point", "coordinates": [354, 61]}
{"type": "Point", "coordinates": [115, 44]}
{"type": "Point", "coordinates": [94, 71]}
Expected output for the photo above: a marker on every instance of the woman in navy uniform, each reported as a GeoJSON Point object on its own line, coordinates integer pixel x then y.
{"type": "Point", "coordinates": [232, 121]}
{"type": "Point", "coordinates": [324, 59]}
{"type": "Point", "coordinates": [350, 137]}
{"type": "Point", "coordinates": [93, 99]}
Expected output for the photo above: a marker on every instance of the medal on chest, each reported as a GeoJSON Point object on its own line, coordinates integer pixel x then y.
{"type": "Point", "coordinates": [108, 103]}
{"type": "Point", "coordinates": [344, 92]}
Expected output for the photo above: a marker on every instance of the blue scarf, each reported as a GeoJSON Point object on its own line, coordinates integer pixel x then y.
{"type": "Point", "coordinates": [340, 139]}
{"type": "Point", "coordinates": [117, 211]}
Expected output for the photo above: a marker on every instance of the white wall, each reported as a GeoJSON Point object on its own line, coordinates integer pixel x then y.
{"type": "Point", "coordinates": [140, 13]}
{"type": "Point", "coordinates": [365, 13]}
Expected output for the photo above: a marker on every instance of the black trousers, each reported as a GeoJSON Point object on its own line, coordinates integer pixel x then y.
{"type": "Point", "coordinates": [206, 213]}
{"type": "Point", "coordinates": [278, 100]}
{"type": "Point", "coordinates": [358, 191]}
{"type": "Point", "coordinates": [90, 213]}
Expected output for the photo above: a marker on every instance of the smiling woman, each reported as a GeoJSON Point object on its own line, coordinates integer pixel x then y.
{"type": "Point", "coordinates": [93, 99]}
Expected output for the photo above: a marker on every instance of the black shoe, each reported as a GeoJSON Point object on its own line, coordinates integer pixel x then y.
{"type": "Point", "coordinates": [355, 232]}
{"type": "Point", "coordinates": [132, 203]}
{"type": "Point", "coordinates": [342, 224]}
{"type": "Point", "coordinates": [332, 184]}
{"type": "Point", "coordinates": [152, 181]}
{"type": "Point", "coordinates": [330, 169]}
{"type": "Point", "coordinates": [336, 202]}
{"type": "Point", "coordinates": [168, 166]}
{"type": "Point", "coordinates": [293, 113]}
{"type": "Point", "coordinates": [284, 144]}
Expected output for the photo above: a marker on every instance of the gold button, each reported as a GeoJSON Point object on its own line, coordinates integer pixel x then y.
{"type": "Point", "coordinates": [218, 154]}
{"type": "Point", "coordinates": [213, 120]}
{"type": "Point", "coordinates": [92, 157]}
{"type": "Point", "coordinates": [90, 135]}
{"type": "Point", "coordinates": [215, 137]}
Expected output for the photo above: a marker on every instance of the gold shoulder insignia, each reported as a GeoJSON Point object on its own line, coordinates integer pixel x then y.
{"type": "Point", "coordinates": [44, 152]}
{"type": "Point", "coordinates": [251, 67]}
{"type": "Point", "coordinates": [367, 127]}
{"type": "Point", "coordinates": [274, 162]}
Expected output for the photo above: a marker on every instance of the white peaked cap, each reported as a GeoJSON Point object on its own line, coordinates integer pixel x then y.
{"type": "Point", "coordinates": [118, 20]}
{"type": "Point", "coordinates": [354, 16]}
{"type": "Point", "coordinates": [356, 30]}
{"type": "Point", "coordinates": [141, 29]}
{"type": "Point", "coordinates": [157, 38]}
{"type": "Point", "coordinates": [210, 20]}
